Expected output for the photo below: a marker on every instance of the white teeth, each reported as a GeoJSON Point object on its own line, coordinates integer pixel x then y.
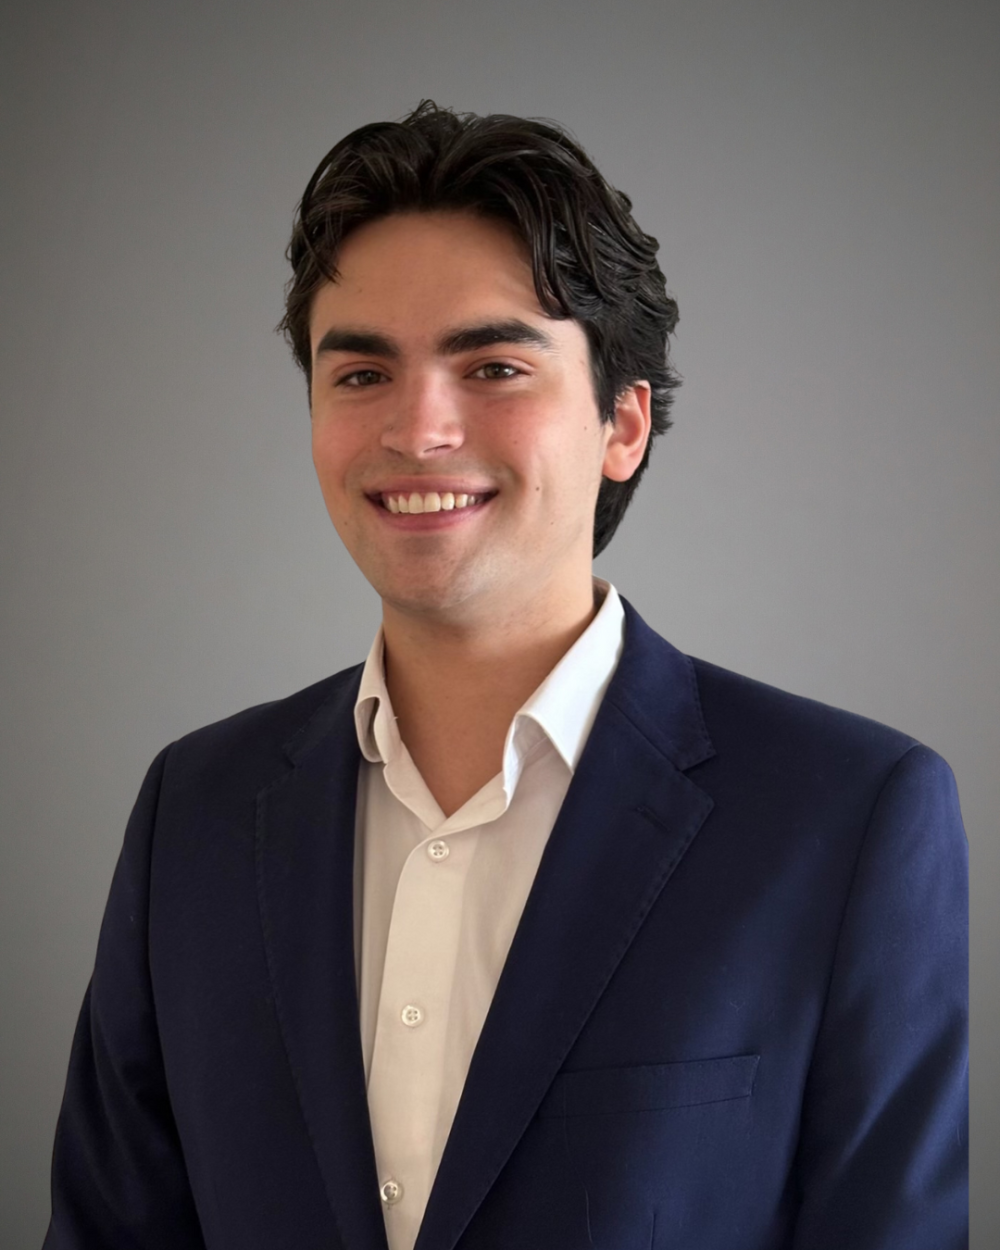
{"type": "Point", "coordinates": [415, 503]}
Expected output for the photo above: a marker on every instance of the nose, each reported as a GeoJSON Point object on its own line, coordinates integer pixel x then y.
{"type": "Point", "coordinates": [426, 422]}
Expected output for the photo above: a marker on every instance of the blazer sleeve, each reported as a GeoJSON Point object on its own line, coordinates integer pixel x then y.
{"type": "Point", "coordinates": [882, 1162]}
{"type": "Point", "coordinates": [118, 1176]}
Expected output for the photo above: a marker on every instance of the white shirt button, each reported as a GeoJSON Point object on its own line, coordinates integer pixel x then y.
{"type": "Point", "coordinates": [438, 850]}
{"type": "Point", "coordinates": [391, 1192]}
{"type": "Point", "coordinates": [411, 1015]}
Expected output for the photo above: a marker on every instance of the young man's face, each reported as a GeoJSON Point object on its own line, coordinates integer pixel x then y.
{"type": "Point", "coordinates": [437, 376]}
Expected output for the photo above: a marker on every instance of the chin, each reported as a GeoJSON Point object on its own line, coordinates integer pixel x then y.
{"type": "Point", "coordinates": [431, 599]}
{"type": "Point", "coordinates": [426, 603]}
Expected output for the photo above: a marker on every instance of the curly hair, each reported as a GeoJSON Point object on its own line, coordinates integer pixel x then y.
{"type": "Point", "coordinates": [590, 261]}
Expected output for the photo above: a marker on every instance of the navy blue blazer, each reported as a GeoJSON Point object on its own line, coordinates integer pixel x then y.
{"type": "Point", "coordinates": [733, 1016]}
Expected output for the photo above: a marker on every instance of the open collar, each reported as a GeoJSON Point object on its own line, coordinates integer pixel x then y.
{"type": "Point", "coordinates": [561, 711]}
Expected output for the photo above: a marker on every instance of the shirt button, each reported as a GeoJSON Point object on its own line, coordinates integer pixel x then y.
{"type": "Point", "coordinates": [438, 850]}
{"type": "Point", "coordinates": [411, 1015]}
{"type": "Point", "coordinates": [391, 1192]}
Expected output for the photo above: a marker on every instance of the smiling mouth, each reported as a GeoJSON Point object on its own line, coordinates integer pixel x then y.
{"type": "Point", "coordinates": [416, 502]}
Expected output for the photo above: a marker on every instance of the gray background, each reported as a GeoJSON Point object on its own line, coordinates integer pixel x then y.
{"type": "Point", "coordinates": [823, 179]}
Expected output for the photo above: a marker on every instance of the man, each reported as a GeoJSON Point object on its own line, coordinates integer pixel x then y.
{"type": "Point", "coordinates": [531, 931]}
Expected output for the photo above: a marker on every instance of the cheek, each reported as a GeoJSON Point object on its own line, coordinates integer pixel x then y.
{"type": "Point", "coordinates": [330, 447]}
{"type": "Point", "coordinates": [566, 456]}
{"type": "Point", "coordinates": [328, 460]}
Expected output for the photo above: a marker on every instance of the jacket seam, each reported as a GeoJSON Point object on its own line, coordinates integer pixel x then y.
{"type": "Point", "coordinates": [849, 893]}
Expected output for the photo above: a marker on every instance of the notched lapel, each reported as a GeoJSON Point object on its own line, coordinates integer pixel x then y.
{"type": "Point", "coordinates": [628, 818]}
{"type": "Point", "coordinates": [305, 876]}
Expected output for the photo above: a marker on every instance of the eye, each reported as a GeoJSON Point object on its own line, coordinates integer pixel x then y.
{"type": "Point", "coordinates": [497, 371]}
{"type": "Point", "coordinates": [361, 378]}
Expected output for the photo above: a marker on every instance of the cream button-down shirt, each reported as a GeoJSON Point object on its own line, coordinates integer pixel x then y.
{"type": "Point", "coordinates": [437, 901]}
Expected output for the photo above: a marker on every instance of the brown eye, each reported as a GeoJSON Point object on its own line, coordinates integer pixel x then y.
{"type": "Point", "coordinates": [498, 371]}
{"type": "Point", "coordinates": [362, 377]}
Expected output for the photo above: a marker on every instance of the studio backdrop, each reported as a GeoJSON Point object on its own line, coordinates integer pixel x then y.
{"type": "Point", "coordinates": [824, 515]}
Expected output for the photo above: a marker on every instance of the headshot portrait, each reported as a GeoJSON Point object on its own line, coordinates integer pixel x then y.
{"type": "Point", "coordinates": [501, 711]}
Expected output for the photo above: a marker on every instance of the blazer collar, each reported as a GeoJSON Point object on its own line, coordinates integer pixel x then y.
{"type": "Point", "coordinates": [628, 818]}
{"type": "Point", "coordinates": [656, 689]}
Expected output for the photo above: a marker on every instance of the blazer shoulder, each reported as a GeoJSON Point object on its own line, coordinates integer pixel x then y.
{"type": "Point", "coordinates": [724, 724]}
{"type": "Point", "coordinates": [792, 763]}
{"type": "Point", "coordinates": [738, 706]}
{"type": "Point", "coordinates": [255, 743]}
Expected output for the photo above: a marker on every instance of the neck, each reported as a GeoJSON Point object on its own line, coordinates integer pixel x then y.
{"type": "Point", "coordinates": [456, 685]}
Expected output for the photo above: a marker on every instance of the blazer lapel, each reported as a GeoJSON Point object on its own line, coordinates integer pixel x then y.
{"type": "Point", "coordinates": [305, 882]}
{"type": "Point", "coordinates": [628, 817]}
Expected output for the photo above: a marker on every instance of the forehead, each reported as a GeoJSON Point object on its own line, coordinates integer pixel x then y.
{"type": "Point", "coordinates": [426, 270]}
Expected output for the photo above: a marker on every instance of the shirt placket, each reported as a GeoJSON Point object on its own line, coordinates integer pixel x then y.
{"type": "Point", "coordinates": [407, 1070]}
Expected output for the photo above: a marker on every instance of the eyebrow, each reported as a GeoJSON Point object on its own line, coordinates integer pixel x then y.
{"type": "Point", "coordinates": [492, 333]}
{"type": "Point", "coordinates": [452, 343]}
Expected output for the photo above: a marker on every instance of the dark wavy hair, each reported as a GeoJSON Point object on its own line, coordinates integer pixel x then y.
{"type": "Point", "coordinates": [589, 259]}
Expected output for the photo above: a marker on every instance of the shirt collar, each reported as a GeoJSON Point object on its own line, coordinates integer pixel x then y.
{"type": "Point", "coordinates": [566, 702]}
{"type": "Point", "coordinates": [378, 735]}
{"type": "Point", "coordinates": [562, 709]}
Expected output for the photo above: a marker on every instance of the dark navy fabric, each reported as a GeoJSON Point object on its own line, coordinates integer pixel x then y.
{"type": "Point", "coordinates": [733, 1016]}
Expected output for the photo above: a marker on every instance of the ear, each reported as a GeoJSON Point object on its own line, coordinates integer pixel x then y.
{"type": "Point", "coordinates": [629, 434]}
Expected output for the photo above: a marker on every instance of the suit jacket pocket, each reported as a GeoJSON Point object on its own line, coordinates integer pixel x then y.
{"type": "Point", "coordinates": [652, 1087]}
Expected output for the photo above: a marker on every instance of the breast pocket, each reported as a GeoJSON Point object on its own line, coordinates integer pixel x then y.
{"type": "Point", "coordinates": [650, 1147]}
{"type": "Point", "coordinates": [650, 1087]}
